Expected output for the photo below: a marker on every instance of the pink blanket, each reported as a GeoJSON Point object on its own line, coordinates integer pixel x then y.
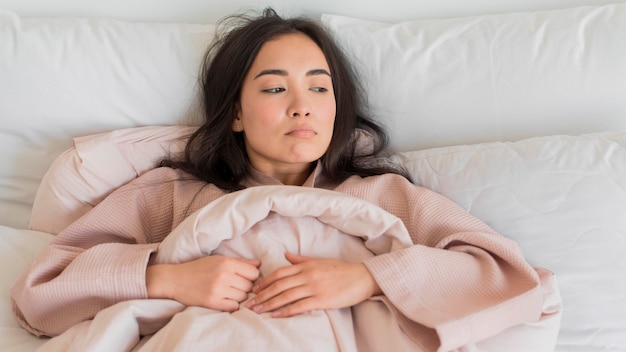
{"type": "Point", "coordinates": [261, 223]}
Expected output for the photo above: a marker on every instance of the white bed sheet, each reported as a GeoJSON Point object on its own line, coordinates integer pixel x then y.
{"type": "Point", "coordinates": [17, 249]}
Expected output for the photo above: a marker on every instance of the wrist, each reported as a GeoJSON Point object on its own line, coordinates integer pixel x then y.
{"type": "Point", "coordinates": [156, 279]}
{"type": "Point", "coordinates": [375, 289]}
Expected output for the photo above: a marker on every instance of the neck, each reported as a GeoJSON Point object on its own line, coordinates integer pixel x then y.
{"type": "Point", "coordinates": [290, 176]}
{"type": "Point", "coordinates": [295, 178]}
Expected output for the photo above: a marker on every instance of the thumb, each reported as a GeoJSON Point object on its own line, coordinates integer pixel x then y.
{"type": "Point", "coordinates": [296, 259]}
{"type": "Point", "coordinates": [254, 262]}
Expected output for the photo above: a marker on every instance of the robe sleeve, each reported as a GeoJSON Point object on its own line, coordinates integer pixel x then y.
{"type": "Point", "coordinates": [97, 261]}
{"type": "Point", "coordinates": [460, 278]}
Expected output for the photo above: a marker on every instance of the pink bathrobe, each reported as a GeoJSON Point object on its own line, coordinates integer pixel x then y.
{"type": "Point", "coordinates": [458, 284]}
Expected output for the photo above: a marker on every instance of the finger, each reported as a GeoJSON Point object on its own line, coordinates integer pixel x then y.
{"type": "Point", "coordinates": [246, 270]}
{"type": "Point", "coordinates": [282, 300]}
{"type": "Point", "coordinates": [277, 288]}
{"type": "Point", "coordinates": [299, 307]}
{"type": "Point", "coordinates": [275, 276]}
{"type": "Point", "coordinates": [296, 258]}
{"type": "Point", "coordinates": [228, 299]}
{"type": "Point", "coordinates": [240, 283]}
{"type": "Point", "coordinates": [253, 262]}
{"type": "Point", "coordinates": [227, 305]}
{"type": "Point", "coordinates": [235, 295]}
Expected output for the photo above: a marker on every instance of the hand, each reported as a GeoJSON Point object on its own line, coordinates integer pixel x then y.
{"type": "Point", "coordinates": [215, 282]}
{"type": "Point", "coordinates": [312, 283]}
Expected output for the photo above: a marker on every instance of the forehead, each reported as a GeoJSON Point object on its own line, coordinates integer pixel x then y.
{"type": "Point", "coordinates": [295, 49]}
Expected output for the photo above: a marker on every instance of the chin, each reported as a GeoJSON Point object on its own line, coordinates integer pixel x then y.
{"type": "Point", "coordinates": [307, 156]}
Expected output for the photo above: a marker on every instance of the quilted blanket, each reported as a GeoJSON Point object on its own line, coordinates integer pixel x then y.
{"type": "Point", "coordinates": [256, 223]}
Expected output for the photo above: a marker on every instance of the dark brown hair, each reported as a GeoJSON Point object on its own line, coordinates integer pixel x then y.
{"type": "Point", "coordinates": [216, 154]}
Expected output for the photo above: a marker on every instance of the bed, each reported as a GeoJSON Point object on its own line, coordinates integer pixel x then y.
{"type": "Point", "coordinates": [515, 112]}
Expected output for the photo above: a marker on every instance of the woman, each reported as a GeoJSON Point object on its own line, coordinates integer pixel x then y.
{"type": "Point", "coordinates": [281, 107]}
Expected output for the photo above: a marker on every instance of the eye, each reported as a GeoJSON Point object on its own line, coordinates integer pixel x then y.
{"type": "Point", "coordinates": [273, 90]}
{"type": "Point", "coordinates": [319, 89]}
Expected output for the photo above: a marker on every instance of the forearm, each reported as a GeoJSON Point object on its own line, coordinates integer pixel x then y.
{"type": "Point", "coordinates": [66, 285]}
{"type": "Point", "coordinates": [464, 293]}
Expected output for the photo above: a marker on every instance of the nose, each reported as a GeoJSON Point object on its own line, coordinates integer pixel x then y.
{"type": "Point", "coordinates": [299, 106]}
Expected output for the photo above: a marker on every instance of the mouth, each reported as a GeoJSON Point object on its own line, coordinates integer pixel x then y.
{"type": "Point", "coordinates": [302, 132]}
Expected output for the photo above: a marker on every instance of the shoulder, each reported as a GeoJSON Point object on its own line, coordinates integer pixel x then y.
{"type": "Point", "coordinates": [390, 186]}
{"type": "Point", "coordinates": [160, 174]}
{"type": "Point", "coordinates": [168, 191]}
{"type": "Point", "coordinates": [393, 190]}
{"type": "Point", "coordinates": [393, 193]}
{"type": "Point", "coordinates": [378, 182]}
{"type": "Point", "coordinates": [413, 204]}
{"type": "Point", "coordinates": [163, 176]}
{"type": "Point", "coordinates": [158, 183]}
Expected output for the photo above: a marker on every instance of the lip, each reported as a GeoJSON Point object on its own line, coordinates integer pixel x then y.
{"type": "Point", "coordinates": [301, 132]}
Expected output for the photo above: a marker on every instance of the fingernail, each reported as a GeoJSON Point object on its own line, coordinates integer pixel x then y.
{"type": "Point", "coordinates": [276, 314]}
{"type": "Point", "coordinates": [250, 303]}
{"type": "Point", "coordinates": [258, 308]}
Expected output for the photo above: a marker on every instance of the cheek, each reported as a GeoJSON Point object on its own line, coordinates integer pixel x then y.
{"type": "Point", "coordinates": [257, 113]}
{"type": "Point", "coordinates": [329, 112]}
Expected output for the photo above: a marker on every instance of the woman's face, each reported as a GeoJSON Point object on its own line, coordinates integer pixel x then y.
{"type": "Point", "coordinates": [287, 107]}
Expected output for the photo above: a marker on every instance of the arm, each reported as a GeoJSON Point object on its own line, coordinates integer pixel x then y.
{"type": "Point", "coordinates": [101, 258]}
{"type": "Point", "coordinates": [97, 261]}
{"type": "Point", "coordinates": [461, 278]}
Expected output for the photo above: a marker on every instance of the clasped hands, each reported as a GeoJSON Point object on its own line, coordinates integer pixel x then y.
{"type": "Point", "coordinates": [222, 283]}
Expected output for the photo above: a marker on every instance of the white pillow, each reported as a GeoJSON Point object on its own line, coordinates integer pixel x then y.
{"type": "Point", "coordinates": [66, 77]}
{"type": "Point", "coordinates": [97, 165]}
{"type": "Point", "coordinates": [494, 77]}
{"type": "Point", "coordinates": [563, 199]}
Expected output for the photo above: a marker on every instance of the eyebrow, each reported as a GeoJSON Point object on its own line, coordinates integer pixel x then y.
{"type": "Point", "coordinates": [314, 72]}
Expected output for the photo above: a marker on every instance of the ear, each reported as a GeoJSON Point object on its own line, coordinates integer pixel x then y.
{"type": "Point", "coordinates": [237, 125]}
